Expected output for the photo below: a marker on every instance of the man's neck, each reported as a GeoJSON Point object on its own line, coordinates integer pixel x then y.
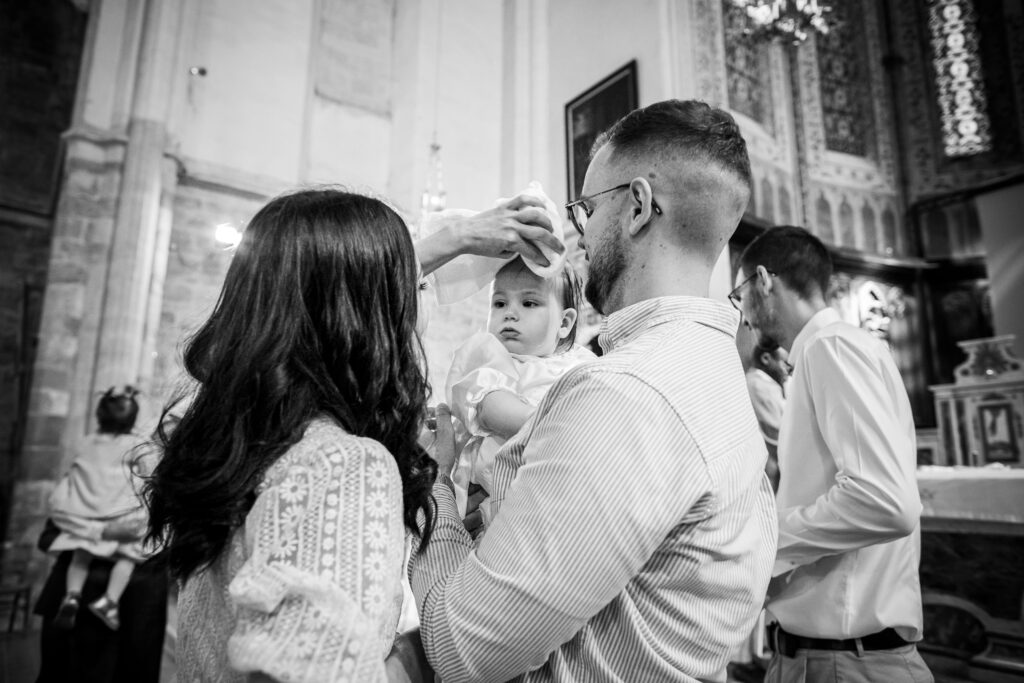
{"type": "Point", "coordinates": [663, 276]}
{"type": "Point", "coordinates": [795, 318]}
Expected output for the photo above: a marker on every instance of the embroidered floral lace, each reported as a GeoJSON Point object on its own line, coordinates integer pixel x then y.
{"type": "Point", "coordinates": [309, 589]}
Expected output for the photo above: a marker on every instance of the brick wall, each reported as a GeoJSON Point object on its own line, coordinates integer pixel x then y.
{"type": "Point", "coordinates": [196, 266]}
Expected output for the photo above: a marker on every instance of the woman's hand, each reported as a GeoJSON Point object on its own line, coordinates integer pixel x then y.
{"type": "Point", "coordinates": [514, 226]}
{"type": "Point", "coordinates": [407, 662]}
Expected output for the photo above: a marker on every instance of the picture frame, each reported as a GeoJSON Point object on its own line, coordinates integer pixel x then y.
{"type": "Point", "coordinates": [590, 114]}
{"type": "Point", "coordinates": [998, 433]}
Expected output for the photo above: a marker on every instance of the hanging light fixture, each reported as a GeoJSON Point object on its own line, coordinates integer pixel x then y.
{"type": "Point", "coordinates": [790, 20]}
{"type": "Point", "coordinates": [434, 197]}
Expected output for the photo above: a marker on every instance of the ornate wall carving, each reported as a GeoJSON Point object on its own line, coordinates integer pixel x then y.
{"type": "Point", "coordinates": [747, 67]}
{"type": "Point", "coordinates": [844, 84]}
{"type": "Point", "coordinates": [832, 179]}
{"type": "Point", "coordinates": [709, 51]}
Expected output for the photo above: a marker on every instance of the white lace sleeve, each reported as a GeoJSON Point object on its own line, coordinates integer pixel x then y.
{"type": "Point", "coordinates": [316, 595]}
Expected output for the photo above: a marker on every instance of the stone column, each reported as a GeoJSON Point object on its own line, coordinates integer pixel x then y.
{"type": "Point", "coordinates": [104, 244]}
{"type": "Point", "coordinates": [126, 294]}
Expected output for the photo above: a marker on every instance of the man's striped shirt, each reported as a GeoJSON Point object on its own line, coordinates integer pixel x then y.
{"type": "Point", "coordinates": [634, 531]}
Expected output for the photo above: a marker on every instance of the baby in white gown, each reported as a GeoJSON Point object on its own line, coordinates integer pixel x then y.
{"type": "Point", "coordinates": [498, 377]}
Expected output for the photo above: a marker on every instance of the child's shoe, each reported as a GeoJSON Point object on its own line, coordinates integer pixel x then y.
{"type": "Point", "coordinates": [106, 610]}
{"type": "Point", "coordinates": [65, 619]}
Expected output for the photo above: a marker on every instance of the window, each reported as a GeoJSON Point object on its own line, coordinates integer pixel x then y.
{"type": "Point", "coordinates": [963, 106]}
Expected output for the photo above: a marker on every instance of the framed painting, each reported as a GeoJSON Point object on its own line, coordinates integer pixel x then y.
{"type": "Point", "coordinates": [590, 114]}
{"type": "Point", "coordinates": [998, 437]}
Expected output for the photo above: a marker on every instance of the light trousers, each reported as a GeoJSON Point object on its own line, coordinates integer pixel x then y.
{"type": "Point", "coordinates": [900, 665]}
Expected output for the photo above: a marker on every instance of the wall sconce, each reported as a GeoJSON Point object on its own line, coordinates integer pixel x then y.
{"type": "Point", "coordinates": [228, 235]}
{"type": "Point", "coordinates": [193, 250]}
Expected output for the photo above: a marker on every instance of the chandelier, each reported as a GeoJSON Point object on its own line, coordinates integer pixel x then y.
{"type": "Point", "coordinates": [787, 20]}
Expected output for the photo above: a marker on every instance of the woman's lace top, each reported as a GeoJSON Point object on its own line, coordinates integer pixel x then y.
{"type": "Point", "coordinates": [310, 587]}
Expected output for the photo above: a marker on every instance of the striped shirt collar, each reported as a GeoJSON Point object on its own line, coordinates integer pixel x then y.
{"type": "Point", "coordinates": [628, 323]}
{"type": "Point", "coordinates": [825, 316]}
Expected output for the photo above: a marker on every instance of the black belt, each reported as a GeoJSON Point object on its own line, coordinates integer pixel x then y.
{"type": "Point", "coordinates": [787, 644]}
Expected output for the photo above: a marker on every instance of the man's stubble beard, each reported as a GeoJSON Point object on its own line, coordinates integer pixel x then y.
{"type": "Point", "coordinates": [606, 267]}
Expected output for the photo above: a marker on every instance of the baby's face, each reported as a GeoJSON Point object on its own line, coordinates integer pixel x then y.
{"type": "Point", "coordinates": [526, 313]}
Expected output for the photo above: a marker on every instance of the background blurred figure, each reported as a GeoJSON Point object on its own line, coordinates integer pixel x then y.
{"type": "Point", "coordinates": [93, 543]}
{"type": "Point", "coordinates": [766, 382]}
{"type": "Point", "coordinates": [846, 590]}
{"type": "Point", "coordinates": [97, 491]}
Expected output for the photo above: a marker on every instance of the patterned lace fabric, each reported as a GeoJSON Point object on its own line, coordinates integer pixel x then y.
{"type": "Point", "coordinates": [310, 587]}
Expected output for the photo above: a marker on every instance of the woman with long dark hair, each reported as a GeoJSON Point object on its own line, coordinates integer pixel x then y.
{"type": "Point", "coordinates": [288, 486]}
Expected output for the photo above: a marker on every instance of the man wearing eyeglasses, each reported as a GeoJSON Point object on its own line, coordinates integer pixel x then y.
{"type": "Point", "coordinates": [634, 527]}
{"type": "Point", "coordinates": [847, 596]}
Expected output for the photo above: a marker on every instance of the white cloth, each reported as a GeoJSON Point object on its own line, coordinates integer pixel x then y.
{"type": "Point", "coordinates": [467, 274]}
{"type": "Point", "coordinates": [482, 365]}
{"type": "Point", "coordinates": [849, 509]}
{"type": "Point", "coordinates": [986, 494]}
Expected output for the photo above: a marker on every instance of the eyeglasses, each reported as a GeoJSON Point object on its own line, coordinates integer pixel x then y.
{"type": "Point", "coordinates": [579, 212]}
{"type": "Point", "coordinates": [734, 296]}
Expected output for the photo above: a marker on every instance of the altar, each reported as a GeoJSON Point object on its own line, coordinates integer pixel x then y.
{"type": "Point", "coordinates": [972, 541]}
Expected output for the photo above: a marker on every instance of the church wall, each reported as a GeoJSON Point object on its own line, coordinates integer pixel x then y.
{"type": "Point", "coordinates": [196, 266]}
{"type": "Point", "coordinates": [450, 80]}
{"type": "Point", "coordinates": [77, 271]}
{"type": "Point", "coordinates": [1000, 224]}
{"type": "Point", "coordinates": [248, 111]}
{"type": "Point", "coordinates": [588, 41]}
{"type": "Point", "coordinates": [851, 199]}
{"type": "Point", "coordinates": [40, 54]}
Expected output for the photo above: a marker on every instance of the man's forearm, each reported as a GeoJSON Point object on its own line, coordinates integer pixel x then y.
{"type": "Point", "coordinates": [850, 516]}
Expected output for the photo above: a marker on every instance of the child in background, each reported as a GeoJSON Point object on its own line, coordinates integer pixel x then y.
{"type": "Point", "coordinates": [98, 493]}
{"type": "Point", "coordinates": [498, 378]}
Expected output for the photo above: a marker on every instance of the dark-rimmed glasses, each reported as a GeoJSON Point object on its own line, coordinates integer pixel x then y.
{"type": "Point", "coordinates": [735, 298]}
{"type": "Point", "coordinates": [579, 212]}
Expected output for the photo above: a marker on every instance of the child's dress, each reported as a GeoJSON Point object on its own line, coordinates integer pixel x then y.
{"type": "Point", "coordinates": [100, 488]}
{"type": "Point", "coordinates": [483, 365]}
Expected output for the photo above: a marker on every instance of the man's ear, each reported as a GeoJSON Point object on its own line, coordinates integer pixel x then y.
{"type": "Point", "coordinates": [765, 282]}
{"type": "Point", "coordinates": [569, 316]}
{"type": "Point", "coordinates": [641, 200]}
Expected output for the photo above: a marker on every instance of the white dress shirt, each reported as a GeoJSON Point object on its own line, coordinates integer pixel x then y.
{"type": "Point", "coordinates": [634, 528]}
{"type": "Point", "coordinates": [849, 509]}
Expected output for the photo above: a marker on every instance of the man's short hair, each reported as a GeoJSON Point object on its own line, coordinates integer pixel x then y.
{"type": "Point", "coordinates": [757, 354]}
{"type": "Point", "coordinates": [688, 129]}
{"type": "Point", "coordinates": [794, 255]}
